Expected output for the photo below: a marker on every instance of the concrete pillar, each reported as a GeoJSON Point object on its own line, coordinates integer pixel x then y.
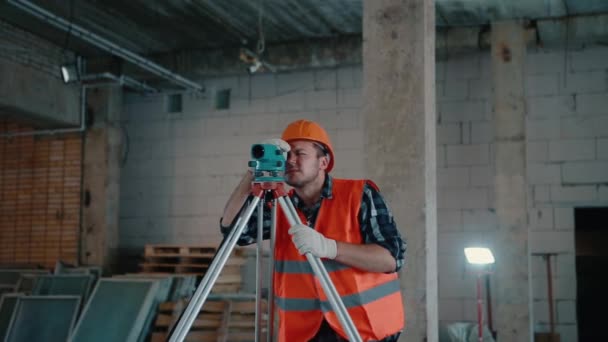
{"type": "Point", "coordinates": [512, 318]}
{"type": "Point", "coordinates": [399, 125]}
{"type": "Point", "coordinates": [101, 179]}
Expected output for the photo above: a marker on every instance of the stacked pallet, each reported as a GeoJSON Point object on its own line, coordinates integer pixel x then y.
{"type": "Point", "coordinates": [194, 260]}
{"type": "Point", "coordinates": [218, 320]}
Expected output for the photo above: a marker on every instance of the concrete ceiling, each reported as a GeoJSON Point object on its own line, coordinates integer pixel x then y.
{"type": "Point", "coordinates": [164, 29]}
{"type": "Point", "coordinates": [151, 27]}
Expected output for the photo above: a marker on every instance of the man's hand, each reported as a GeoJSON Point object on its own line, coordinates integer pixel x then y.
{"type": "Point", "coordinates": [307, 240]}
{"type": "Point", "coordinates": [280, 143]}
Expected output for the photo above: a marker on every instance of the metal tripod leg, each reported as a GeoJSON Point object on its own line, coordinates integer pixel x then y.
{"type": "Point", "coordinates": [259, 274]}
{"type": "Point", "coordinates": [203, 290]}
{"type": "Point", "coordinates": [273, 230]}
{"type": "Point", "coordinates": [200, 296]}
{"type": "Point", "coordinates": [259, 313]}
{"type": "Point", "coordinates": [319, 270]}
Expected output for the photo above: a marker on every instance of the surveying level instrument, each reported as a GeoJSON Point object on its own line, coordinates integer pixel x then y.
{"type": "Point", "coordinates": [268, 167]}
{"type": "Point", "coordinates": [268, 164]}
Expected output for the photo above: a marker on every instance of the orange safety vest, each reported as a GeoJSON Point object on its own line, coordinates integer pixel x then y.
{"type": "Point", "coordinates": [373, 300]}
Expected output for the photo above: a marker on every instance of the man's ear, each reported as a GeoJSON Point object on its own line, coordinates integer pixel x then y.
{"type": "Point", "coordinates": [324, 163]}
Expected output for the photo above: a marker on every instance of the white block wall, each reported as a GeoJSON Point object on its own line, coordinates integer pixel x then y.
{"type": "Point", "coordinates": [567, 123]}
{"type": "Point", "coordinates": [566, 127]}
{"type": "Point", "coordinates": [465, 178]}
{"type": "Point", "coordinates": [182, 167]}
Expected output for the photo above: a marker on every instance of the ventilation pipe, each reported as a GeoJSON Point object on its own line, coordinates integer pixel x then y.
{"type": "Point", "coordinates": [104, 44]}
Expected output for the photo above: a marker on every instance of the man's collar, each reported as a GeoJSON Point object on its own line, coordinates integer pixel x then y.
{"type": "Point", "coordinates": [326, 190]}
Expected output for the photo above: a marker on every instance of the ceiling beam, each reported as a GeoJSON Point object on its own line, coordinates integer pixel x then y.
{"type": "Point", "coordinates": [346, 50]}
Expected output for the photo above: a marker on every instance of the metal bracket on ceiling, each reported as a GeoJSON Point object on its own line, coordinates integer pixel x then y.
{"type": "Point", "coordinates": [105, 44]}
{"type": "Point", "coordinates": [121, 80]}
{"type": "Point", "coordinates": [255, 61]}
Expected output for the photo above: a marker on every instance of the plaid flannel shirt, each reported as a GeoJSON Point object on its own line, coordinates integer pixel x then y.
{"type": "Point", "coordinates": [375, 219]}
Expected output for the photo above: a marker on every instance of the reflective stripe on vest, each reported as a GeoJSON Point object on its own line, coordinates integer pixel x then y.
{"type": "Point", "coordinates": [357, 299]}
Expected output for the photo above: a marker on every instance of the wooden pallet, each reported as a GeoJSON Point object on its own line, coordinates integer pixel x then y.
{"type": "Point", "coordinates": [193, 260]}
{"type": "Point", "coordinates": [240, 306]}
{"type": "Point", "coordinates": [198, 251]}
{"type": "Point", "coordinates": [177, 250]}
{"type": "Point", "coordinates": [191, 256]}
{"type": "Point", "coordinates": [218, 320]}
{"type": "Point", "coordinates": [210, 336]}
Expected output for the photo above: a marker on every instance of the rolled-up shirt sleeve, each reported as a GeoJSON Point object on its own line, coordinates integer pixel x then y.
{"type": "Point", "coordinates": [250, 233]}
{"type": "Point", "coordinates": [378, 225]}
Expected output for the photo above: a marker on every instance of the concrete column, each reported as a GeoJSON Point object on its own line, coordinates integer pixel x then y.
{"type": "Point", "coordinates": [512, 319]}
{"type": "Point", "coordinates": [399, 125]}
{"type": "Point", "coordinates": [101, 179]}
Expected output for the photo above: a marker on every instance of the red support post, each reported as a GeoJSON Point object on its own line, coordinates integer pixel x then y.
{"type": "Point", "coordinates": [479, 309]}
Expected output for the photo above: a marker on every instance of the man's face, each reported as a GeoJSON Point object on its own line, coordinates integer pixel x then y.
{"type": "Point", "coordinates": [304, 163]}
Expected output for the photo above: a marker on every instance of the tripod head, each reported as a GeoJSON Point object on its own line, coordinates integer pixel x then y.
{"type": "Point", "coordinates": [268, 163]}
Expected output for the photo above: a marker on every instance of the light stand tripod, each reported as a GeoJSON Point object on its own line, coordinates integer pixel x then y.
{"type": "Point", "coordinates": [259, 191]}
{"type": "Point", "coordinates": [481, 258]}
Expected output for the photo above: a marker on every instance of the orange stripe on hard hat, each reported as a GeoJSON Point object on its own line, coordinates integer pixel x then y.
{"type": "Point", "coordinates": [309, 130]}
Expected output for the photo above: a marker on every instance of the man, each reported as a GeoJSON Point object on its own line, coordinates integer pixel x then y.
{"type": "Point", "coordinates": [354, 235]}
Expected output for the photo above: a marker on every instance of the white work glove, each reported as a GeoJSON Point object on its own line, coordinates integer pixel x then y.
{"type": "Point", "coordinates": [280, 143]}
{"type": "Point", "coordinates": [307, 240]}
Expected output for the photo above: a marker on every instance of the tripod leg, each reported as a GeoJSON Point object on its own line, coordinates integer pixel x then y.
{"type": "Point", "coordinates": [259, 274]}
{"type": "Point", "coordinates": [273, 231]}
{"type": "Point", "coordinates": [204, 288]}
{"type": "Point", "coordinates": [319, 270]}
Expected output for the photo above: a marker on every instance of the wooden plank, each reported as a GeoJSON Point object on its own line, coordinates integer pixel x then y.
{"type": "Point", "coordinates": [226, 288]}
{"type": "Point", "coordinates": [246, 306]}
{"type": "Point", "coordinates": [177, 250]}
{"type": "Point", "coordinates": [174, 265]}
{"type": "Point", "coordinates": [173, 269]}
{"type": "Point", "coordinates": [184, 250]}
{"type": "Point", "coordinates": [238, 306]}
{"type": "Point", "coordinates": [196, 336]}
{"type": "Point", "coordinates": [209, 306]}
{"type": "Point", "coordinates": [202, 321]}
{"type": "Point", "coordinates": [185, 259]}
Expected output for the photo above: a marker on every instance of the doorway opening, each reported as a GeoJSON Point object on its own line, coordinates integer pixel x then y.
{"type": "Point", "coordinates": [591, 243]}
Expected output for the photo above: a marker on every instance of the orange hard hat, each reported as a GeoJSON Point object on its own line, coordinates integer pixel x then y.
{"type": "Point", "coordinates": [309, 130]}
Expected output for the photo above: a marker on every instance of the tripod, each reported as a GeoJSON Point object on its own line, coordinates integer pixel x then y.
{"type": "Point", "coordinates": [259, 191]}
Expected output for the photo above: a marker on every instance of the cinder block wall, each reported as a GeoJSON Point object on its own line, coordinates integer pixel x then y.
{"type": "Point", "coordinates": [567, 127]}
{"type": "Point", "coordinates": [181, 167]}
{"type": "Point", "coordinates": [567, 167]}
